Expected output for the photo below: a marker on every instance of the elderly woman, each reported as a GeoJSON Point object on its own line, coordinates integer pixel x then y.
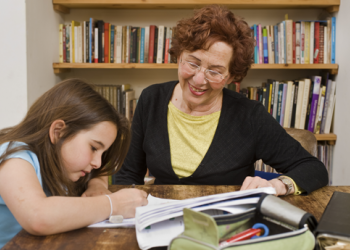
{"type": "Point", "coordinates": [195, 131]}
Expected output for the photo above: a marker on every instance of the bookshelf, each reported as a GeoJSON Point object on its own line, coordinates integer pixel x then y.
{"type": "Point", "coordinates": [71, 7]}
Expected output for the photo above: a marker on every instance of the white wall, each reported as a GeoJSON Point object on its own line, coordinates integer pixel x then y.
{"type": "Point", "coordinates": [13, 63]}
{"type": "Point", "coordinates": [341, 168]}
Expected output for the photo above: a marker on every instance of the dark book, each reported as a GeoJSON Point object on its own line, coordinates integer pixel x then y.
{"type": "Point", "coordinates": [133, 44]}
{"type": "Point", "coordinates": [309, 104]}
{"type": "Point", "coordinates": [267, 96]}
{"type": "Point", "coordinates": [155, 47]}
{"type": "Point", "coordinates": [279, 102]}
{"type": "Point", "coordinates": [164, 42]}
{"type": "Point", "coordinates": [138, 44]}
{"type": "Point", "coordinates": [100, 26]}
{"type": "Point", "coordinates": [87, 44]}
{"type": "Point", "coordinates": [271, 98]}
{"type": "Point", "coordinates": [111, 44]}
{"type": "Point", "coordinates": [295, 101]}
{"type": "Point", "coordinates": [334, 224]}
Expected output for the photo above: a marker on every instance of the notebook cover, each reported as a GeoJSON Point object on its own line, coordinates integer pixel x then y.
{"type": "Point", "coordinates": [336, 217]}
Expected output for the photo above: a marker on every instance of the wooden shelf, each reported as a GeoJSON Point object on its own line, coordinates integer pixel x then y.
{"type": "Point", "coordinates": [63, 67]}
{"type": "Point", "coordinates": [331, 138]}
{"type": "Point", "coordinates": [65, 5]}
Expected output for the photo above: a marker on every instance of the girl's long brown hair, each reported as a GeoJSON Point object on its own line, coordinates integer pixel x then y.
{"type": "Point", "coordinates": [80, 107]}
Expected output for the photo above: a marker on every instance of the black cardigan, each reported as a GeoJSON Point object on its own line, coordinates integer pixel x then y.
{"type": "Point", "coordinates": [246, 132]}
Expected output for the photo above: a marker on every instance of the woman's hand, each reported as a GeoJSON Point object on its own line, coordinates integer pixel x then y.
{"type": "Point", "coordinates": [257, 182]}
{"type": "Point", "coordinates": [126, 200]}
{"type": "Point", "coordinates": [97, 186]}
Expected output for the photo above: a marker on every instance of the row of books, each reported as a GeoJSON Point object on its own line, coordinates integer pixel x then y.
{"type": "Point", "coordinates": [95, 41]}
{"type": "Point", "coordinates": [122, 97]}
{"type": "Point", "coordinates": [300, 42]}
{"type": "Point", "coordinates": [324, 154]}
{"type": "Point", "coordinates": [304, 104]}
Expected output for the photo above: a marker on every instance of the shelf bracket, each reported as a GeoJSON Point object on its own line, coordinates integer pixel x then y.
{"type": "Point", "coordinates": [333, 9]}
{"type": "Point", "coordinates": [60, 71]}
{"type": "Point", "coordinates": [61, 8]}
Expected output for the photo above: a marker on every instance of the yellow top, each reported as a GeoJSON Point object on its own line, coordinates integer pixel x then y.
{"type": "Point", "coordinates": [190, 138]}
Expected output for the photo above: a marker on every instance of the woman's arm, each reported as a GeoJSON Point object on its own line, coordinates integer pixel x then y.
{"type": "Point", "coordinates": [41, 215]}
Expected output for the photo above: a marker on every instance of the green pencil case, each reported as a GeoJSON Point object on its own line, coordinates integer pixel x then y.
{"type": "Point", "coordinates": [289, 228]}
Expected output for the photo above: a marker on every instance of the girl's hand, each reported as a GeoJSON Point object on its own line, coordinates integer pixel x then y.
{"type": "Point", "coordinates": [97, 186]}
{"type": "Point", "coordinates": [257, 182]}
{"type": "Point", "coordinates": [126, 200]}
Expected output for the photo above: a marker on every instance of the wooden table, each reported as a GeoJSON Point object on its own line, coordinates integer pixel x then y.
{"type": "Point", "coordinates": [103, 239]}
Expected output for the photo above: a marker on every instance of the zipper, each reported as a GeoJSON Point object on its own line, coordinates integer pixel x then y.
{"type": "Point", "coordinates": [194, 240]}
{"type": "Point", "coordinates": [268, 238]}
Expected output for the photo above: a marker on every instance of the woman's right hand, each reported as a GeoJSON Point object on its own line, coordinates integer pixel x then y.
{"type": "Point", "coordinates": [126, 200]}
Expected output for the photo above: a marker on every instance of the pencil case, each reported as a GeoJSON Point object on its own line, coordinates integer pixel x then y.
{"type": "Point", "coordinates": [289, 228]}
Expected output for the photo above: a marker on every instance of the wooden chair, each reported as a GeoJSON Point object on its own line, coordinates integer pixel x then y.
{"type": "Point", "coordinates": [304, 137]}
{"type": "Point", "coordinates": [307, 141]}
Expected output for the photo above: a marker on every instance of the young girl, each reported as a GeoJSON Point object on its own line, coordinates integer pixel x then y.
{"type": "Point", "coordinates": [69, 142]}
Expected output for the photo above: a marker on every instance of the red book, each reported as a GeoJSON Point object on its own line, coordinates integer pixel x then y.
{"type": "Point", "coordinates": [151, 43]}
{"type": "Point", "coordinates": [106, 43]}
{"type": "Point", "coordinates": [166, 54]}
{"type": "Point", "coordinates": [293, 42]}
{"type": "Point", "coordinates": [317, 42]}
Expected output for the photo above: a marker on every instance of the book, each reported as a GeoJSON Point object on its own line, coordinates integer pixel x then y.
{"type": "Point", "coordinates": [157, 225]}
{"type": "Point", "coordinates": [275, 32]}
{"type": "Point", "coordinates": [142, 46]}
{"type": "Point", "coordinates": [333, 41]}
{"type": "Point", "coordinates": [305, 99]}
{"type": "Point", "coordinates": [314, 103]}
{"type": "Point", "coordinates": [129, 96]}
{"type": "Point", "coordinates": [146, 47]}
{"type": "Point", "coordinates": [96, 46]}
{"type": "Point", "coordinates": [330, 109]}
{"type": "Point", "coordinates": [307, 43]}
{"type": "Point", "coordinates": [312, 33]}
{"type": "Point", "coordinates": [316, 42]}
{"type": "Point", "coordinates": [138, 45]}
{"type": "Point", "coordinates": [92, 25]}
{"type": "Point", "coordinates": [294, 104]}
{"type": "Point", "coordinates": [293, 43]}
{"type": "Point", "coordinates": [288, 105]}
{"type": "Point", "coordinates": [265, 46]}
{"type": "Point", "coordinates": [68, 43]}
{"type": "Point", "coordinates": [164, 41]}
{"type": "Point", "coordinates": [325, 45]}
{"type": "Point", "coordinates": [60, 42]}
{"type": "Point", "coordinates": [301, 87]}
{"type": "Point", "coordinates": [155, 49]}
{"type": "Point", "coordinates": [166, 49]}
{"type": "Point", "coordinates": [326, 103]}
{"type": "Point", "coordinates": [309, 104]}
{"type": "Point", "coordinates": [281, 43]}
{"type": "Point", "coordinates": [270, 42]}
{"type": "Point", "coordinates": [320, 110]}
{"type": "Point", "coordinates": [283, 103]}
{"type": "Point", "coordinates": [279, 102]}
{"type": "Point", "coordinates": [100, 25]}
{"type": "Point", "coordinates": [289, 40]}
{"type": "Point", "coordinates": [275, 100]}
{"type": "Point", "coordinates": [133, 44]}
{"type": "Point", "coordinates": [160, 44]}
{"type": "Point", "coordinates": [261, 47]}
{"type": "Point", "coordinates": [151, 43]}
{"type": "Point", "coordinates": [111, 44]}
{"type": "Point", "coordinates": [321, 46]}
{"type": "Point", "coordinates": [302, 42]}
{"type": "Point", "coordinates": [64, 49]}
{"type": "Point", "coordinates": [297, 42]}
{"type": "Point", "coordinates": [119, 40]}
{"type": "Point", "coordinates": [256, 47]}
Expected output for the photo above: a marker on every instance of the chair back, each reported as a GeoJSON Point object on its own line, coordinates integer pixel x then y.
{"type": "Point", "coordinates": [305, 138]}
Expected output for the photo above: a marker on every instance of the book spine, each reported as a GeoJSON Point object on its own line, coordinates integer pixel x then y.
{"type": "Point", "coordinates": [330, 109]}
{"type": "Point", "coordinates": [281, 43]}
{"type": "Point", "coordinates": [291, 106]}
{"type": "Point", "coordinates": [256, 47]}
{"type": "Point", "coordinates": [320, 110]}
{"type": "Point", "coordinates": [317, 42]}
{"type": "Point", "coordinates": [305, 102]}
{"type": "Point", "coordinates": [261, 48]}
{"type": "Point", "coordinates": [285, 41]}
{"type": "Point", "coordinates": [293, 43]}
{"type": "Point", "coordinates": [170, 39]}
{"type": "Point", "coordinates": [164, 41]}
{"type": "Point", "coordinates": [295, 101]}
{"type": "Point", "coordinates": [333, 41]}
{"type": "Point", "coordinates": [266, 54]}
{"type": "Point", "coordinates": [279, 102]}
{"type": "Point", "coordinates": [119, 44]}
{"type": "Point", "coordinates": [309, 104]}
{"type": "Point", "coordinates": [314, 103]}
{"type": "Point", "coordinates": [155, 50]}
{"type": "Point", "coordinates": [127, 47]}
{"type": "Point", "coordinates": [138, 45]}
{"type": "Point", "coordinates": [307, 43]}
{"type": "Point", "coordinates": [302, 42]}
{"type": "Point", "coordinates": [275, 100]}
{"type": "Point", "coordinates": [297, 42]}
{"type": "Point", "coordinates": [124, 34]}
{"type": "Point", "coordinates": [87, 43]}
{"type": "Point", "coordinates": [326, 104]}
{"type": "Point", "coordinates": [132, 45]}
{"type": "Point", "coordinates": [276, 44]}
{"type": "Point", "coordinates": [325, 45]}
{"type": "Point", "coordinates": [151, 44]}
{"type": "Point", "coordinates": [146, 47]}
{"type": "Point", "coordinates": [300, 99]}
{"type": "Point", "coordinates": [111, 47]}
{"type": "Point", "coordinates": [289, 40]}
{"type": "Point", "coordinates": [106, 42]}
{"type": "Point", "coordinates": [312, 41]}
{"type": "Point", "coordinates": [321, 52]}
{"type": "Point", "coordinates": [96, 46]}
{"type": "Point", "coordinates": [91, 41]}
{"type": "Point", "coordinates": [283, 104]}
{"type": "Point", "coordinates": [142, 46]}
{"type": "Point", "coordinates": [270, 42]}
{"type": "Point", "coordinates": [84, 42]}
{"type": "Point", "coordinates": [166, 55]}
{"type": "Point", "coordinates": [160, 44]}
{"type": "Point", "coordinates": [269, 97]}
{"type": "Point", "coordinates": [60, 42]}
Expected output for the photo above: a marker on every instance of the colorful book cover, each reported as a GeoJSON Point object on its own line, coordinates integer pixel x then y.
{"type": "Point", "coordinates": [314, 102]}
{"type": "Point", "coordinates": [266, 52]}
{"type": "Point", "coordinates": [333, 41]}
{"type": "Point", "coordinates": [256, 47]}
{"type": "Point", "coordinates": [261, 48]}
{"type": "Point", "coordinates": [316, 42]}
{"type": "Point", "coordinates": [142, 46]}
